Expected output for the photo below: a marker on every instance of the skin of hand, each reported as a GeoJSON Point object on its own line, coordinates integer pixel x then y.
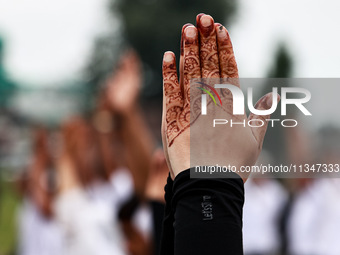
{"type": "Point", "coordinates": [157, 177]}
{"type": "Point", "coordinates": [137, 147]}
{"type": "Point", "coordinates": [206, 52]}
{"type": "Point", "coordinates": [123, 89]}
{"type": "Point", "coordinates": [125, 83]}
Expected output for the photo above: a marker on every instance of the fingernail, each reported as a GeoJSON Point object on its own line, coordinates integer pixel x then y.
{"type": "Point", "coordinates": [190, 32]}
{"type": "Point", "coordinates": [168, 57]}
{"type": "Point", "coordinates": [221, 32]}
{"type": "Point", "coordinates": [183, 28]}
{"type": "Point", "coordinates": [206, 20]}
{"type": "Point", "coordinates": [186, 25]}
{"type": "Point", "coordinates": [198, 17]}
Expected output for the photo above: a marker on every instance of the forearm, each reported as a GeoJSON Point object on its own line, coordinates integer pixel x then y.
{"type": "Point", "coordinates": [207, 215]}
{"type": "Point", "coordinates": [138, 147]}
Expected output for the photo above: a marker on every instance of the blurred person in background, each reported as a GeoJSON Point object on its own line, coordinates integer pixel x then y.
{"type": "Point", "coordinates": [264, 200]}
{"type": "Point", "coordinates": [125, 139]}
{"type": "Point", "coordinates": [314, 225]}
{"type": "Point", "coordinates": [153, 199]}
{"type": "Point", "coordinates": [127, 147]}
{"type": "Point", "coordinates": [154, 194]}
{"type": "Point", "coordinates": [104, 167]}
{"type": "Point", "coordinates": [39, 233]}
{"type": "Point", "coordinates": [125, 135]}
{"type": "Point", "coordinates": [302, 224]}
{"type": "Point", "coordinates": [87, 222]}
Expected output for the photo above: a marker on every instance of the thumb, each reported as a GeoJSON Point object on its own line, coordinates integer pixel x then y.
{"type": "Point", "coordinates": [259, 129]}
{"type": "Point", "coordinates": [164, 138]}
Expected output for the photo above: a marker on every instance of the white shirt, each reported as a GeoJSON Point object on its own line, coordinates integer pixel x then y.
{"type": "Point", "coordinates": [263, 203]}
{"type": "Point", "coordinates": [314, 225]}
{"type": "Point", "coordinates": [89, 217]}
{"type": "Point", "coordinates": [38, 235]}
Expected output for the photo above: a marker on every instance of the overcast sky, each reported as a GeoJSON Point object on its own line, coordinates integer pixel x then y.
{"type": "Point", "coordinates": [50, 41]}
{"type": "Point", "coordinates": [309, 27]}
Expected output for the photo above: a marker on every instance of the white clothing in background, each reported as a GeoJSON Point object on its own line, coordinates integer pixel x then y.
{"type": "Point", "coordinates": [89, 217]}
{"type": "Point", "coordinates": [262, 208]}
{"type": "Point", "coordinates": [38, 235]}
{"type": "Point", "coordinates": [89, 225]}
{"type": "Point", "coordinates": [314, 224]}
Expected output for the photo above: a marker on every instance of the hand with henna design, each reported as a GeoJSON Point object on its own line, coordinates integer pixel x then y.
{"type": "Point", "coordinates": [206, 52]}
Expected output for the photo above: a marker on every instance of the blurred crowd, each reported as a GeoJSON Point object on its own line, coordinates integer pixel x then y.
{"type": "Point", "coordinates": [297, 216]}
{"type": "Point", "coordinates": [95, 185]}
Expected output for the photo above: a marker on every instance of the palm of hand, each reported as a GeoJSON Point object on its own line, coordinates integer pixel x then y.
{"type": "Point", "coordinates": [206, 52]}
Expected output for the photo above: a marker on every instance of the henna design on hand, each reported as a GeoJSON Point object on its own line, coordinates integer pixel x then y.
{"type": "Point", "coordinates": [191, 71]}
{"type": "Point", "coordinates": [173, 97]}
{"type": "Point", "coordinates": [208, 47]}
{"type": "Point", "coordinates": [228, 66]}
{"type": "Point", "coordinates": [205, 53]}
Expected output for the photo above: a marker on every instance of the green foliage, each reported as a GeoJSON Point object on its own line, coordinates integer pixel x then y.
{"type": "Point", "coordinates": [7, 87]}
{"type": "Point", "coordinates": [9, 202]}
{"type": "Point", "coordinates": [282, 67]}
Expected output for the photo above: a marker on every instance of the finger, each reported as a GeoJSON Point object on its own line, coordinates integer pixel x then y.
{"type": "Point", "coordinates": [132, 74]}
{"type": "Point", "coordinates": [134, 62]}
{"type": "Point", "coordinates": [198, 17]}
{"type": "Point", "coordinates": [260, 122]}
{"type": "Point", "coordinates": [125, 60]}
{"type": "Point", "coordinates": [228, 66]}
{"type": "Point", "coordinates": [181, 59]}
{"type": "Point", "coordinates": [172, 95]}
{"type": "Point", "coordinates": [208, 47]}
{"type": "Point", "coordinates": [191, 64]}
{"type": "Point", "coordinates": [159, 159]}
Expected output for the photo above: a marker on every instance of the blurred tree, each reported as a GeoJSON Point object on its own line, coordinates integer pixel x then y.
{"type": "Point", "coordinates": [281, 68]}
{"type": "Point", "coordinates": [153, 27]}
{"type": "Point", "coordinates": [102, 61]}
{"type": "Point", "coordinates": [7, 87]}
{"type": "Point", "coordinates": [283, 64]}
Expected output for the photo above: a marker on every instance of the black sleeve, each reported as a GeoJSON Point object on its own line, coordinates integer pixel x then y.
{"type": "Point", "coordinates": [168, 234]}
{"type": "Point", "coordinates": [157, 218]}
{"type": "Point", "coordinates": [207, 215]}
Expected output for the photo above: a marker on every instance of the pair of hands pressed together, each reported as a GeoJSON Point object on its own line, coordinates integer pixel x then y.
{"type": "Point", "coordinates": [206, 52]}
